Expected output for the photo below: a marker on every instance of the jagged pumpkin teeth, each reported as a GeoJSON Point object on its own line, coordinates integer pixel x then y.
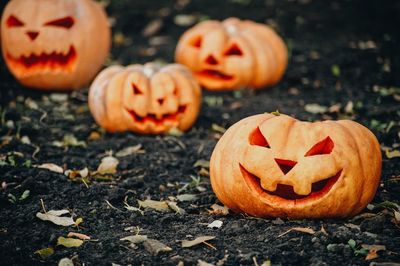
{"type": "Point", "coordinates": [145, 98]}
{"type": "Point", "coordinates": [232, 54]}
{"type": "Point", "coordinates": [46, 44]}
{"type": "Point", "coordinates": [277, 166]}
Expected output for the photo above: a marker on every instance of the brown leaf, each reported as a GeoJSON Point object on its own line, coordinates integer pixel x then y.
{"type": "Point", "coordinates": [153, 27]}
{"type": "Point", "coordinates": [306, 230]}
{"type": "Point", "coordinates": [197, 241]}
{"type": "Point", "coordinates": [135, 239]}
{"type": "Point", "coordinates": [218, 210]}
{"type": "Point", "coordinates": [78, 235]}
{"type": "Point", "coordinates": [108, 165]}
{"type": "Point", "coordinates": [154, 204]}
{"type": "Point", "coordinates": [51, 167]}
{"type": "Point", "coordinates": [155, 247]}
{"type": "Point", "coordinates": [137, 149]}
{"type": "Point", "coordinates": [373, 250]}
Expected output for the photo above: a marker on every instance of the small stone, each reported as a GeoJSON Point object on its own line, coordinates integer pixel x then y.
{"type": "Point", "coordinates": [332, 247]}
{"type": "Point", "coordinates": [314, 239]}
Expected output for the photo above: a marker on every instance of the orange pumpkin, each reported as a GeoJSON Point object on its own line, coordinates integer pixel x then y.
{"type": "Point", "coordinates": [277, 166]}
{"type": "Point", "coordinates": [232, 54]}
{"type": "Point", "coordinates": [146, 99]}
{"type": "Point", "coordinates": [54, 44]}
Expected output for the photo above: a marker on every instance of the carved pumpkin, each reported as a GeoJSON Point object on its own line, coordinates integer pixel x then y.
{"type": "Point", "coordinates": [277, 166]}
{"type": "Point", "coordinates": [54, 44]}
{"type": "Point", "coordinates": [232, 54]}
{"type": "Point", "coordinates": [146, 99]}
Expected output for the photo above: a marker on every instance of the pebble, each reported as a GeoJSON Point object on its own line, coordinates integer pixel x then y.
{"type": "Point", "coordinates": [332, 247]}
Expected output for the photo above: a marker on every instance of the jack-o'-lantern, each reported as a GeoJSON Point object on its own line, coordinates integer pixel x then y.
{"type": "Point", "coordinates": [147, 99]}
{"type": "Point", "coordinates": [277, 166]}
{"type": "Point", "coordinates": [232, 54]}
{"type": "Point", "coordinates": [54, 44]}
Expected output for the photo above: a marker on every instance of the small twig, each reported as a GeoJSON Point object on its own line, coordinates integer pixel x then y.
{"type": "Point", "coordinates": [43, 207]}
{"type": "Point", "coordinates": [84, 182]}
{"type": "Point", "coordinates": [255, 261]}
{"type": "Point", "coordinates": [115, 208]}
{"type": "Point", "coordinates": [211, 246]}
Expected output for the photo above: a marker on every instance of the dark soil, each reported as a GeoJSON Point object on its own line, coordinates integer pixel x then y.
{"type": "Point", "coordinates": [360, 38]}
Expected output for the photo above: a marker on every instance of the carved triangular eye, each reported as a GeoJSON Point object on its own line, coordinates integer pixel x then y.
{"type": "Point", "coordinates": [258, 139]}
{"type": "Point", "coordinates": [66, 22]}
{"type": "Point", "coordinates": [234, 50]}
{"type": "Point", "coordinates": [13, 21]}
{"type": "Point", "coordinates": [323, 147]}
{"type": "Point", "coordinates": [196, 42]}
{"type": "Point", "coordinates": [136, 89]}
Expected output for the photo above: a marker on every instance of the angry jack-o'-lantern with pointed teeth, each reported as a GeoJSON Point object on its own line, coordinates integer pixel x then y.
{"type": "Point", "coordinates": [146, 99]}
{"type": "Point", "coordinates": [54, 44]}
{"type": "Point", "coordinates": [231, 54]}
{"type": "Point", "coordinates": [277, 166]}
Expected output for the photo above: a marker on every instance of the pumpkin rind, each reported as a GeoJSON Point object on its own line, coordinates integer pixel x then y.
{"type": "Point", "coordinates": [258, 55]}
{"type": "Point", "coordinates": [60, 45]}
{"type": "Point", "coordinates": [146, 99]}
{"type": "Point", "coordinates": [349, 171]}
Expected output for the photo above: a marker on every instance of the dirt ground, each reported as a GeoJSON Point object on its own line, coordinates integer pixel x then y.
{"type": "Point", "coordinates": [344, 63]}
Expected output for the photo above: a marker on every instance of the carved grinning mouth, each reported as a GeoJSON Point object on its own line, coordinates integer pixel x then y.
{"type": "Point", "coordinates": [51, 61]}
{"type": "Point", "coordinates": [214, 74]}
{"type": "Point", "coordinates": [319, 189]}
{"type": "Point", "coordinates": [155, 120]}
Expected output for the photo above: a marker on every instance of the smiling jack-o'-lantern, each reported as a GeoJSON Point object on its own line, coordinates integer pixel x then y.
{"type": "Point", "coordinates": [54, 44]}
{"type": "Point", "coordinates": [277, 166]}
{"type": "Point", "coordinates": [147, 99]}
{"type": "Point", "coordinates": [233, 54]}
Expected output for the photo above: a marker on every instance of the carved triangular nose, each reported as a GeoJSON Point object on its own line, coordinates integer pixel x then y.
{"type": "Point", "coordinates": [161, 101]}
{"type": "Point", "coordinates": [211, 60]}
{"type": "Point", "coordinates": [32, 35]}
{"type": "Point", "coordinates": [285, 165]}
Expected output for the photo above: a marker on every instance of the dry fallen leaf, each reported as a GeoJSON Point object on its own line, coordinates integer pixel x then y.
{"type": "Point", "coordinates": [202, 163]}
{"type": "Point", "coordinates": [174, 206]}
{"type": "Point", "coordinates": [215, 224]}
{"type": "Point", "coordinates": [54, 217]}
{"type": "Point", "coordinates": [397, 216]}
{"type": "Point", "coordinates": [69, 242]}
{"type": "Point", "coordinates": [155, 247]}
{"type": "Point", "coordinates": [152, 27]}
{"type": "Point", "coordinates": [78, 235]}
{"type": "Point", "coordinates": [51, 167]}
{"type": "Point", "coordinates": [108, 165]}
{"type": "Point", "coordinates": [197, 241]}
{"type": "Point", "coordinates": [390, 154]}
{"type": "Point", "coordinates": [154, 204]}
{"type": "Point", "coordinates": [218, 210]}
{"type": "Point", "coordinates": [137, 149]}
{"type": "Point", "coordinates": [136, 239]}
{"type": "Point", "coordinates": [45, 252]}
{"type": "Point", "coordinates": [315, 108]}
{"type": "Point", "coordinates": [187, 197]}
{"type": "Point", "coordinates": [65, 262]}
{"type": "Point", "coordinates": [373, 250]}
{"type": "Point", "coordinates": [184, 20]}
{"type": "Point", "coordinates": [72, 174]}
{"type": "Point", "coordinates": [203, 263]}
{"type": "Point", "coordinates": [306, 230]}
